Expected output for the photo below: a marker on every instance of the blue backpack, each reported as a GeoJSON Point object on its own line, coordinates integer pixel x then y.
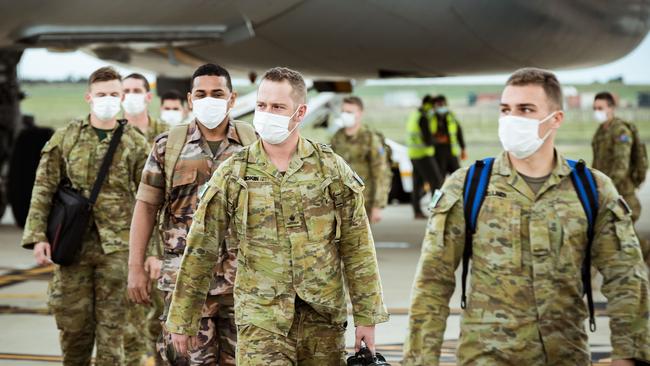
{"type": "Point", "coordinates": [475, 189]}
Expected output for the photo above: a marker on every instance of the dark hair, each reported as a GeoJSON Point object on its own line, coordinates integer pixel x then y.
{"type": "Point", "coordinates": [212, 70]}
{"type": "Point", "coordinates": [106, 73]}
{"type": "Point", "coordinates": [298, 86]}
{"type": "Point", "coordinates": [137, 76]}
{"type": "Point", "coordinates": [439, 99]}
{"type": "Point", "coordinates": [427, 99]}
{"type": "Point", "coordinates": [543, 78]}
{"type": "Point", "coordinates": [607, 96]}
{"type": "Point", "coordinates": [353, 100]}
{"type": "Point", "coordinates": [172, 94]}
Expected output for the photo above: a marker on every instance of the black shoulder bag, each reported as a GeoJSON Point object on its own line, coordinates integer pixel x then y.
{"type": "Point", "coordinates": [70, 212]}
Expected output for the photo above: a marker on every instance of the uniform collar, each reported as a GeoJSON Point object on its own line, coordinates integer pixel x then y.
{"type": "Point", "coordinates": [256, 154]}
{"type": "Point", "coordinates": [195, 134]}
{"type": "Point", "coordinates": [503, 166]}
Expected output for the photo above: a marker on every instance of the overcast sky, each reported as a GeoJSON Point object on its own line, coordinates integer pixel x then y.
{"type": "Point", "coordinates": [634, 68]}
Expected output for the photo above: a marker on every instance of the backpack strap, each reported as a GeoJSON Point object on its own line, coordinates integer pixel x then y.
{"type": "Point", "coordinates": [106, 161]}
{"type": "Point", "coordinates": [245, 131]}
{"type": "Point", "coordinates": [585, 185]}
{"type": "Point", "coordinates": [173, 148]}
{"type": "Point", "coordinates": [474, 191]}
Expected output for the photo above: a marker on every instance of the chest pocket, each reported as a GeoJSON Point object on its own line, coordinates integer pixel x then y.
{"type": "Point", "coordinates": [260, 221]}
{"type": "Point", "coordinates": [319, 210]}
{"type": "Point", "coordinates": [119, 174]}
{"type": "Point", "coordinates": [185, 186]}
{"type": "Point", "coordinates": [497, 242]}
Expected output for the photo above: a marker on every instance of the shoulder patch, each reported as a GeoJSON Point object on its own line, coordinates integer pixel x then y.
{"type": "Point", "coordinates": [625, 138]}
{"type": "Point", "coordinates": [203, 189]}
{"type": "Point", "coordinates": [436, 198]}
{"type": "Point", "coordinates": [358, 178]}
{"type": "Point", "coordinates": [626, 207]}
{"type": "Point", "coordinates": [325, 148]}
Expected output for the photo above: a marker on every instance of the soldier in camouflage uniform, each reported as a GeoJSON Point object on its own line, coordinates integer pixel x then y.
{"type": "Point", "coordinates": [364, 151]}
{"type": "Point", "coordinates": [525, 306]}
{"type": "Point", "coordinates": [296, 213]}
{"type": "Point", "coordinates": [143, 326]}
{"type": "Point", "coordinates": [88, 298]}
{"type": "Point", "coordinates": [208, 141]}
{"type": "Point", "coordinates": [612, 146]}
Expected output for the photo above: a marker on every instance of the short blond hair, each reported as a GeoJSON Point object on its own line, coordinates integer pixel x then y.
{"type": "Point", "coordinates": [105, 73]}
{"type": "Point", "coordinates": [544, 78]}
{"type": "Point", "coordinates": [295, 79]}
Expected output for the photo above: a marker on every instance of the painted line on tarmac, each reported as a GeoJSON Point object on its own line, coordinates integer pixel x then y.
{"type": "Point", "coordinates": [4, 309]}
{"type": "Point", "coordinates": [22, 275]}
{"type": "Point", "coordinates": [28, 357]}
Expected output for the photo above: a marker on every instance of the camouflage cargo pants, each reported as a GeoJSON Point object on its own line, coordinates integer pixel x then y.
{"type": "Point", "coordinates": [217, 335]}
{"type": "Point", "coordinates": [142, 330]}
{"type": "Point", "coordinates": [88, 300]}
{"type": "Point", "coordinates": [312, 340]}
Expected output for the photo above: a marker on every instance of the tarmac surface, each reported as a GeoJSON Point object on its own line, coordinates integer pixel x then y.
{"type": "Point", "coordinates": [29, 336]}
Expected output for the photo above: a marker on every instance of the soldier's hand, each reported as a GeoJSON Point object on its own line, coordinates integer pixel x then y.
{"type": "Point", "coordinates": [152, 265]}
{"type": "Point", "coordinates": [43, 253]}
{"type": "Point", "coordinates": [367, 335]}
{"type": "Point", "coordinates": [182, 343]}
{"type": "Point", "coordinates": [138, 284]}
{"type": "Point", "coordinates": [463, 155]}
{"type": "Point", "coordinates": [375, 215]}
{"type": "Point", "coordinates": [622, 363]}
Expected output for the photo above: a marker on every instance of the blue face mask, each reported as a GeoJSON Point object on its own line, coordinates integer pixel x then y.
{"type": "Point", "coordinates": [442, 110]}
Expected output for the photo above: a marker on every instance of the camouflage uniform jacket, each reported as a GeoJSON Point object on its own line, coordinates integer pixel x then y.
{"type": "Point", "coordinates": [193, 169]}
{"type": "Point", "coordinates": [75, 152]}
{"type": "Point", "coordinates": [526, 302]}
{"type": "Point", "coordinates": [366, 156]}
{"type": "Point", "coordinates": [612, 147]}
{"type": "Point", "coordinates": [156, 127]}
{"type": "Point", "coordinates": [286, 225]}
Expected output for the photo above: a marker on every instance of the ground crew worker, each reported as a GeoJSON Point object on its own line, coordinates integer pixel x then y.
{"type": "Point", "coordinates": [612, 147]}
{"type": "Point", "coordinates": [448, 138]}
{"type": "Point", "coordinates": [88, 297]}
{"type": "Point", "coordinates": [170, 186]}
{"type": "Point", "coordinates": [525, 306]}
{"type": "Point", "coordinates": [137, 97]}
{"type": "Point", "coordinates": [296, 209]}
{"type": "Point", "coordinates": [419, 144]}
{"type": "Point", "coordinates": [173, 109]}
{"type": "Point", "coordinates": [363, 149]}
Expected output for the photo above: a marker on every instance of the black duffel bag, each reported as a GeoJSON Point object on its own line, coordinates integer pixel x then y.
{"type": "Point", "coordinates": [71, 210]}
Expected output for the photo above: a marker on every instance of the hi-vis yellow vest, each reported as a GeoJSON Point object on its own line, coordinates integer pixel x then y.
{"type": "Point", "coordinates": [415, 145]}
{"type": "Point", "coordinates": [452, 130]}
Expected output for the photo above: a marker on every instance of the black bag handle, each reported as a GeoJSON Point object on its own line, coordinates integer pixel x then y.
{"type": "Point", "coordinates": [108, 158]}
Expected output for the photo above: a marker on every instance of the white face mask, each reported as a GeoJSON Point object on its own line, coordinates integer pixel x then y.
{"type": "Point", "coordinates": [134, 103]}
{"type": "Point", "coordinates": [171, 117]}
{"type": "Point", "coordinates": [600, 116]}
{"type": "Point", "coordinates": [520, 136]}
{"type": "Point", "coordinates": [273, 128]}
{"type": "Point", "coordinates": [210, 112]}
{"type": "Point", "coordinates": [347, 119]}
{"type": "Point", "coordinates": [105, 108]}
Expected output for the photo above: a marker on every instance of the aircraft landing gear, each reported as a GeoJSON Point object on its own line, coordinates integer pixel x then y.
{"type": "Point", "coordinates": [10, 96]}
